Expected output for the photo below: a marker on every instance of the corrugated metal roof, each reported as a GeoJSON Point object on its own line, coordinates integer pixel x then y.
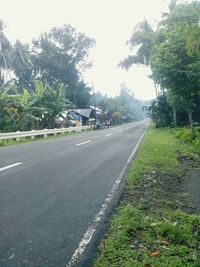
{"type": "Point", "coordinates": [83, 112]}
{"type": "Point", "coordinates": [95, 108]}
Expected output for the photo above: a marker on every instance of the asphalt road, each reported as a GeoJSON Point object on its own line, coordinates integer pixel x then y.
{"type": "Point", "coordinates": [55, 193]}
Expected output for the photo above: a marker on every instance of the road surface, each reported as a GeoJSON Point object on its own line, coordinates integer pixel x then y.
{"type": "Point", "coordinates": [55, 195]}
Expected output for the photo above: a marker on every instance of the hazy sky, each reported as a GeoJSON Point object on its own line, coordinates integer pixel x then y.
{"type": "Point", "coordinates": [110, 22]}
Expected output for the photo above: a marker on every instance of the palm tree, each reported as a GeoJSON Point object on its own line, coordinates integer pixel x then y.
{"type": "Point", "coordinates": [8, 111]}
{"type": "Point", "coordinates": [5, 48]}
{"type": "Point", "coordinates": [20, 59]}
{"type": "Point", "coordinates": [54, 102]}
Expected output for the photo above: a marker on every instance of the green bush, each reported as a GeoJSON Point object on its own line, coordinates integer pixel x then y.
{"type": "Point", "coordinates": [197, 142]}
{"type": "Point", "coordinates": [184, 135]}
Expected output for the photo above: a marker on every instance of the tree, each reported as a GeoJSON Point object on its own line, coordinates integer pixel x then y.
{"type": "Point", "coordinates": [80, 95]}
{"type": "Point", "coordinates": [122, 108]}
{"type": "Point", "coordinates": [173, 65]}
{"type": "Point", "coordinates": [5, 48]}
{"type": "Point", "coordinates": [20, 63]}
{"type": "Point", "coordinates": [132, 108]}
{"type": "Point", "coordinates": [59, 57]}
{"type": "Point", "coordinates": [143, 37]}
{"type": "Point", "coordinates": [32, 110]}
{"type": "Point", "coordinates": [172, 52]}
{"type": "Point", "coordinates": [54, 102]}
{"type": "Point", "coordinates": [56, 57]}
{"type": "Point", "coordinates": [8, 112]}
{"type": "Point", "coordinates": [161, 112]}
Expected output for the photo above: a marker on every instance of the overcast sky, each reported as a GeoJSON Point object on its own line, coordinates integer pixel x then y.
{"type": "Point", "coordinates": [110, 22]}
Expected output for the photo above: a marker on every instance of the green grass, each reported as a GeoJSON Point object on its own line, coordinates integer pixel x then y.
{"type": "Point", "coordinates": [27, 140]}
{"type": "Point", "coordinates": [12, 142]}
{"type": "Point", "coordinates": [157, 153]}
{"type": "Point", "coordinates": [147, 220]}
{"type": "Point", "coordinates": [185, 136]}
{"type": "Point", "coordinates": [132, 238]}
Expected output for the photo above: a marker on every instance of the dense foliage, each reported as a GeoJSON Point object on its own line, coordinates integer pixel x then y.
{"type": "Point", "coordinates": [40, 80]}
{"type": "Point", "coordinates": [31, 110]}
{"type": "Point", "coordinates": [122, 108]}
{"type": "Point", "coordinates": [173, 53]}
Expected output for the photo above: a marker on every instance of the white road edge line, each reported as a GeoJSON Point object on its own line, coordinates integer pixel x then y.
{"type": "Point", "coordinates": [108, 134]}
{"type": "Point", "coordinates": [10, 166]}
{"type": "Point", "coordinates": [80, 144]}
{"type": "Point", "coordinates": [92, 228]}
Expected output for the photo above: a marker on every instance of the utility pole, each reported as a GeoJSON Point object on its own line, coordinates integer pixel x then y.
{"type": "Point", "coordinates": [75, 99]}
{"type": "Point", "coordinates": [94, 103]}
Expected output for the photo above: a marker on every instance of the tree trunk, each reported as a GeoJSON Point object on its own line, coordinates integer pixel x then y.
{"type": "Point", "coordinates": [191, 121]}
{"type": "Point", "coordinates": [156, 89]}
{"type": "Point", "coordinates": [174, 116]}
{"type": "Point", "coordinates": [189, 111]}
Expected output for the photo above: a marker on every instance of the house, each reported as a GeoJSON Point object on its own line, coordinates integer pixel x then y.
{"type": "Point", "coordinates": [82, 115]}
{"type": "Point", "coordinates": [74, 117]}
{"type": "Point", "coordinates": [98, 110]}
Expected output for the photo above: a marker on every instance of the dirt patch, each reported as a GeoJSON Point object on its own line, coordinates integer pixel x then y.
{"type": "Point", "coordinates": [159, 189]}
{"type": "Point", "coordinates": [192, 186]}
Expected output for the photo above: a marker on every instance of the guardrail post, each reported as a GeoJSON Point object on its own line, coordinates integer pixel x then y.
{"type": "Point", "coordinates": [18, 138]}
{"type": "Point", "coordinates": [32, 136]}
{"type": "Point", "coordinates": [45, 134]}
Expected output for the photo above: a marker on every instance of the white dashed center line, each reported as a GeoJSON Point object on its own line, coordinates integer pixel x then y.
{"type": "Point", "coordinates": [108, 134]}
{"type": "Point", "coordinates": [86, 142]}
{"type": "Point", "coordinates": [10, 166]}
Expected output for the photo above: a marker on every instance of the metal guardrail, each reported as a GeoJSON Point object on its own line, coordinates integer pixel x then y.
{"type": "Point", "coordinates": [18, 135]}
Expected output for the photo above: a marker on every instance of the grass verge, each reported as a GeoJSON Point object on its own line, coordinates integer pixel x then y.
{"type": "Point", "coordinates": [154, 225]}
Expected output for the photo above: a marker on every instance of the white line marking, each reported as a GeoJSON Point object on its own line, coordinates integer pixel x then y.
{"type": "Point", "coordinates": [10, 166]}
{"type": "Point", "coordinates": [108, 134]}
{"type": "Point", "coordinates": [83, 143]}
{"type": "Point", "coordinates": [92, 228]}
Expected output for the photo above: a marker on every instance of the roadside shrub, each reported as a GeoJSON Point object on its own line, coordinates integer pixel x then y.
{"type": "Point", "coordinates": [185, 136]}
{"type": "Point", "coordinates": [197, 142]}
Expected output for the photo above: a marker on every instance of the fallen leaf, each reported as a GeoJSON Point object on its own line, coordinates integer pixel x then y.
{"type": "Point", "coordinates": [147, 265]}
{"type": "Point", "coordinates": [154, 254]}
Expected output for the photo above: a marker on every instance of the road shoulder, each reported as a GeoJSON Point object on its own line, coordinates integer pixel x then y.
{"type": "Point", "coordinates": [157, 222]}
